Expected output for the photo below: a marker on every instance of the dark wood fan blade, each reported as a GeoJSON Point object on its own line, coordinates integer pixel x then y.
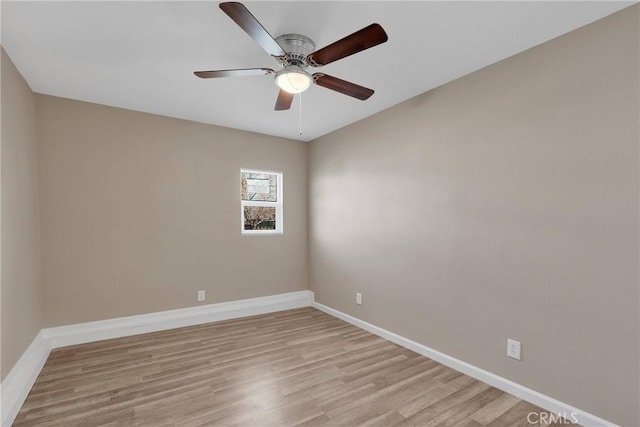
{"type": "Point", "coordinates": [342, 86]}
{"type": "Point", "coordinates": [238, 72]}
{"type": "Point", "coordinates": [284, 100]}
{"type": "Point", "coordinates": [241, 16]}
{"type": "Point", "coordinates": [366, 38]}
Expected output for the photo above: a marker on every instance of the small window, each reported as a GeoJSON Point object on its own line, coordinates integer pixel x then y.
{"type": "Point", "coordinates": [261, 202]}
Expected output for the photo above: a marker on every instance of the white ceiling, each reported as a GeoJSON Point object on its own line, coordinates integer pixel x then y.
{"type": "Point", "coordinates": [141, 55]}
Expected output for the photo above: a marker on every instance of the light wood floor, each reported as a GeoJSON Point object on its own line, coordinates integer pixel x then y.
{"type": "Point", "coordinates": [297, 367]}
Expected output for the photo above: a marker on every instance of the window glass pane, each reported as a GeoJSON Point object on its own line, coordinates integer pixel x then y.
{"type": "Point", "coordinates": [258, 186]}
{"type": "Point", "coordinates": [259, 218]}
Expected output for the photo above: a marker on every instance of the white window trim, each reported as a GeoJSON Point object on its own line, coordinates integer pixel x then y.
{"type": "Point", "coordinates": [278, 205]}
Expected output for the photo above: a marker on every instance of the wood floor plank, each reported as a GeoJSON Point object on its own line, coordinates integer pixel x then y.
{"type": "Point", "coordinates": [493, 410]}
{"type": "Point", "coordinates": [293, 368]}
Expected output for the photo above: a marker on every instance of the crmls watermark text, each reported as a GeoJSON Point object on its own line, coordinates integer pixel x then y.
{"type": "Point", "coordinates": [550, 418]}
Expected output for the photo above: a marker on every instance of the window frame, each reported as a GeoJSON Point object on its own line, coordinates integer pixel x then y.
{"type": "Point", "coordinates": [278, 204]}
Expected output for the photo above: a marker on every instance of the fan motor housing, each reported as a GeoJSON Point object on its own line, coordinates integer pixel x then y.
{"type": "Point", "coordinates": [297, 47]}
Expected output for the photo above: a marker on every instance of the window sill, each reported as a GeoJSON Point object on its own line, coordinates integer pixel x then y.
{"type": "Point", "coordinates": [261, 233]}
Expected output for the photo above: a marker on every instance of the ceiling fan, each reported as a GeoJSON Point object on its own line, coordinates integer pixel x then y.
{"type": "Point", "coordinates": [296, 53]}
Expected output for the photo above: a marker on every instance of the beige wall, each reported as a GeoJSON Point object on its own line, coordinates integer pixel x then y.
{"type": "Point", "coordinates": [504, 204]}
{"type": "Point", "coordinates": [21, 308]}
{"type": "Point", "coordinates": [140, 211]}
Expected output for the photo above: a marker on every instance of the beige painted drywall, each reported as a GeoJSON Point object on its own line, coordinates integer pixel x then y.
{"type": "Point", "coordinates": [21, 316]}
{"type": "Point", "coordinates": [141, 211]}
{"type": "Point", "coordinates": [501, 205]}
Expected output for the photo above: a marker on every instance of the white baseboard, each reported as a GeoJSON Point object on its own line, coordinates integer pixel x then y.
{"type": "Point", "coordinates": [18, 382]}
{"type": "Point", "coordinates": [81, 333]}
{"type": "Point", "coordinates": [553, 405]}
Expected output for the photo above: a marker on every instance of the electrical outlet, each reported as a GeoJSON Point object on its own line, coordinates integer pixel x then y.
{"type": "Point", "coordinates": [513, 349]}
{"type": "Point", "coordinates": [201, 296]}
{"type": "Point", "coordinates": [358, 298]}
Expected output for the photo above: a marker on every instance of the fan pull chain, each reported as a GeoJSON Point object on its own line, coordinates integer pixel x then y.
{"type": "Point", "coordinates": [300, 115]}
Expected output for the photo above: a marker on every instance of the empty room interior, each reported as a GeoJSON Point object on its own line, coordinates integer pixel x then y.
{"type": "Point", "coordinates": [312, 213]}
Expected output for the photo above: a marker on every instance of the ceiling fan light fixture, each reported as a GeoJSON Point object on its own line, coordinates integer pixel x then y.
{"type": "Point", "coordinates": [296, 52]}
{"type": "Point", "coordinates": [293, 79]}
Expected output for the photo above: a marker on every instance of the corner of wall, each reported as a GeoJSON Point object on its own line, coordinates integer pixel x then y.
{"type": "Point", "coordinates": [21, 274]}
